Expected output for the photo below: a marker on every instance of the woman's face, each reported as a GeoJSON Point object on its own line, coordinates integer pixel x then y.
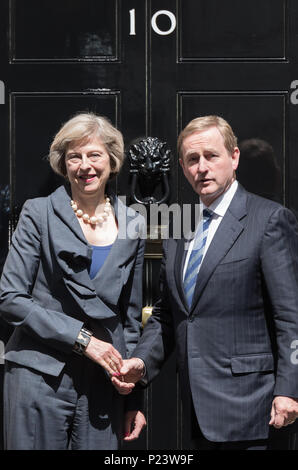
{"type": "Point", "coordinates": [88, 166]}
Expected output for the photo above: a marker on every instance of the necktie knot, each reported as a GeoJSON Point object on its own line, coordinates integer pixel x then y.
{"type": "Point", "coordinates": [207, 213]}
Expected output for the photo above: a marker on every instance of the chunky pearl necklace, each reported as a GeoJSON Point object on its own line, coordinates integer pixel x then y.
{"type": "Point", "coordinates": [94, 220]}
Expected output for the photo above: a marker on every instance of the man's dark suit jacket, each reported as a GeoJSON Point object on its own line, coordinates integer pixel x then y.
{"type": "Point", "coordinates": [235, 344]}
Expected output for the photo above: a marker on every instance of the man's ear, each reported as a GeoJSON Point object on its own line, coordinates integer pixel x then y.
{"type": "Point", "coordinates": [181, 163]}
{"type": "Point", "coordinates": [235, 158]}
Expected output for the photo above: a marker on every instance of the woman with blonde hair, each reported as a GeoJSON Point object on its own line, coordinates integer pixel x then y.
{"type": "Point", "coordinates": [72, 289]}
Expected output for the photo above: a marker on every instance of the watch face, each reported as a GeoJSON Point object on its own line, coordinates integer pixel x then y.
{"type": "Point", "coordinates": [82, 341]}
{"type": "Point", "coordinates": [84, 337]}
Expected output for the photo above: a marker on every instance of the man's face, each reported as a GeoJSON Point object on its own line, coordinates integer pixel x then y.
{"type": "Point", "coordinates": [207, 165]}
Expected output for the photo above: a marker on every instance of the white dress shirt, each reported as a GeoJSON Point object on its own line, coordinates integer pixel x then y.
{"type": "Point", "coordinates": [219, 208]}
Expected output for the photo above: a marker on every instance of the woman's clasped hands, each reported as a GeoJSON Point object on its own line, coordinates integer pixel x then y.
{"type": "Point", "coordinates": [105, 355]}
{"type": "Point", "coordinates": [124, 373]}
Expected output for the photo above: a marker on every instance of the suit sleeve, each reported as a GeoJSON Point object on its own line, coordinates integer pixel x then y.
{"type": "Point", "coordinates": [158, 338]}
{"type": "Point", "coordinates": [279, 258]}
{"type": "Point", "coordinates": [17, 306]}
{"type": "Point", "coordinates": [131, 301]}
{"type": "Point", "coordinates": [131, 308]}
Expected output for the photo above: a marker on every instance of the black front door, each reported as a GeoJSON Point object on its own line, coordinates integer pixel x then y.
{"type": "Point", "coordinates": [150, 66]}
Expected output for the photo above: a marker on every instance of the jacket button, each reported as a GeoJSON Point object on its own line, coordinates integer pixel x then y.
{"type": "Point", "coordinates": [190, 318]}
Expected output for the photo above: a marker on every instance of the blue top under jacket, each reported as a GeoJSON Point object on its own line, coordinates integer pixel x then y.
{"type": "Point", "coordinates": [99, 255]}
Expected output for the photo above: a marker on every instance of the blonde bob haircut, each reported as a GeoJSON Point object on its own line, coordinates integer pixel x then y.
{"type": "Point", "coordinates": [205, 122]}
{"type": "Point", "coordinates": [80, 128]}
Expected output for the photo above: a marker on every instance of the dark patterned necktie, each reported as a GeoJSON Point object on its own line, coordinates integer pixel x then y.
{"type": "Point", "coordinates": [196, 256]}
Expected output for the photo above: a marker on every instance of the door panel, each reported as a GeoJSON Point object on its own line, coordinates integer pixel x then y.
{"type": "Point", "coordinates": [65, 31]}
{"type": "Point", "coordinates": [232, 30]}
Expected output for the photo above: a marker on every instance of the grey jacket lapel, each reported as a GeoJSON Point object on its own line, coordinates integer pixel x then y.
{"type": "Point", "coordinates": [179, 264]}
{"type": "Point", "coordinates": [224, 238]}
{"type": "Point", "coordinates": [73, 255]}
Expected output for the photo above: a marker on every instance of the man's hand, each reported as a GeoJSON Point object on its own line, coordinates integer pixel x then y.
{"type": "Point", "coordinates": [105, 355]}
{"type": "Point", "coordinates": [284, 411]}
{"type": "Point", "coordinates": [131, 372]}
{"type": "Point", "coordinates": [133, 425]}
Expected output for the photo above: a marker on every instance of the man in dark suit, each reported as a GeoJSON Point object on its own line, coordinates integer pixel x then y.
{"type": "Point", "coordinates": [229, 304]}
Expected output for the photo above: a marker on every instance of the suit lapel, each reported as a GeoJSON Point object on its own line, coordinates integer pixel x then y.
{"type": "Point", "coordinates": [178, 268]}
{"type": "Point", "coordinates": [73, 255]}
{"type": "Point", "coordinates": [227, 233]}
{"type": "Point", "coordinates": [60, 201]}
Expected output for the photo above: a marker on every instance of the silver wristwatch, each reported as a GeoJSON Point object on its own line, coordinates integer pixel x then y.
{"type": "Point", "coordinates": [82, 341]}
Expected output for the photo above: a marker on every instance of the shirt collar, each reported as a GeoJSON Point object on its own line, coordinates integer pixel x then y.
{"type": "Point", "coordinates": [221, 204]}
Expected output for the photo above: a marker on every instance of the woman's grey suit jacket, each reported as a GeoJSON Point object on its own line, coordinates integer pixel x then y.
{"type": "Point", "coordinates": [46, 292]}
